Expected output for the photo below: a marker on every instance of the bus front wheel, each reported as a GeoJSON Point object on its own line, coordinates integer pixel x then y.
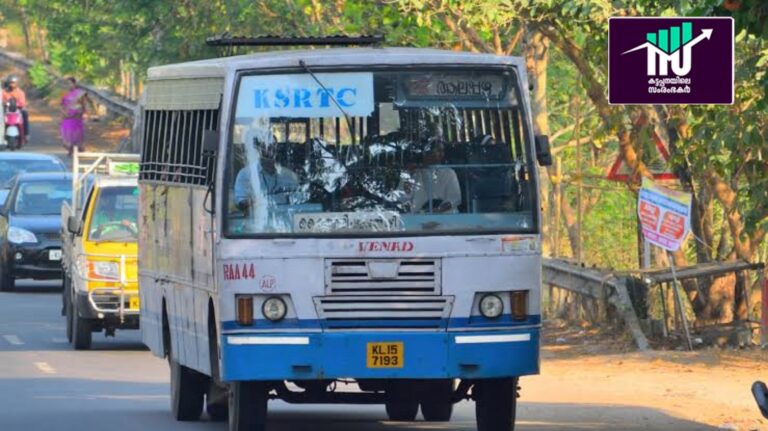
{"type": "Point", "coordinates": [495, 404]}
{"type": "Point", "coordinates": [216, 401]}
{"type": "Point", "coordinates": [248, 406]}
{"type": "Point", "coordinates": [402, 404]}
{"type": "Point", "coordinates": [437, 403]}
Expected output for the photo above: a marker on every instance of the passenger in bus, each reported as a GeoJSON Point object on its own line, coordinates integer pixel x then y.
{"type": "Point", "coordinates": [431, 184]}
{"type": "Point", "coordinates": [276, 181]}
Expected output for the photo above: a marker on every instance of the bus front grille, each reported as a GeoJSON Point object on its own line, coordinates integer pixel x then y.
{"type": "Point", "coordinates": [382, 277]}
{"type": "Point", "coordinates": [383, 311]}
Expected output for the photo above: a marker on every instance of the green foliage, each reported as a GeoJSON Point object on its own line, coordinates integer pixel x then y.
{"type": "Point", "coordinates": [731, 140]}
{"type": "Point", "coordinates": [94, 39]}
{"type": "Point", "coordinates": [40, 78]}
{"type": "Point", "coordinates": [610, 228]}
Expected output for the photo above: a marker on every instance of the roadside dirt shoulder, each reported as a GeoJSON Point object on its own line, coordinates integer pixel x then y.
{"type": "Point", "coordinates": [710, 387]}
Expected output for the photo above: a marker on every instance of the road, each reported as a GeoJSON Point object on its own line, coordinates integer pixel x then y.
{"type": "Point", "coordinates": [119, 385]}
{"type": "Point", "coordinates": [45, 385]}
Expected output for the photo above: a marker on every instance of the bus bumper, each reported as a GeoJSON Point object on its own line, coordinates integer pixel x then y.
{"type": "Point", "coordinates": [329, 355]}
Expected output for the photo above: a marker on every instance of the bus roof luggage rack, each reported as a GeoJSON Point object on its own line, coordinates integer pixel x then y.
{"type": "Point", "coordinates": [226, 40]}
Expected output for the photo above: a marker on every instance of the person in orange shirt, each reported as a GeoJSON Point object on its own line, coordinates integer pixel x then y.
{"type": "Point", "coordinates": [11, 90]}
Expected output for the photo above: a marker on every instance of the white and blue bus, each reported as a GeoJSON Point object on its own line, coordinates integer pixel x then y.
{"type": "Point", "coordinates": [311, 217]}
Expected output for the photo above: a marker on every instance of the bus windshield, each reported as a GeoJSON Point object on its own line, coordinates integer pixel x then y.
{"type": "Point", "coordinates": [415, 152]}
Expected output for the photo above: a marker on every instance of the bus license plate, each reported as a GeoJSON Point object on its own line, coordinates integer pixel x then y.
{"type": "Point", "coordinates": [385, 355]}
{"type": "Point", "coordinates": [54, 254]}
{"type": "Point", "coordinates": [133, 303]}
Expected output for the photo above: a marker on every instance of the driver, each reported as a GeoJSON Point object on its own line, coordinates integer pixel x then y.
{"type": "Point", "coordinates": [108, 218]}
{"type": "Point", "coordinates": [275, 180]}
{"type": "Point", "coordinates": [438, 185]}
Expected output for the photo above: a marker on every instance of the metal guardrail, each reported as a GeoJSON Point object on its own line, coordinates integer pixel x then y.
{"type": "Point", "coordinates": [112, 102]}
{"type": "Point", "coordinates": [595, 284]}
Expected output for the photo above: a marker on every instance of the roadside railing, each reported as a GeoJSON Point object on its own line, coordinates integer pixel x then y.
{"type": "Point", "coordinates": [113, 103]}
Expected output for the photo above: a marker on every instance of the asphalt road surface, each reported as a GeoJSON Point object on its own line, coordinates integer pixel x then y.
{"type": "Point", "coordinates": [119, 385]}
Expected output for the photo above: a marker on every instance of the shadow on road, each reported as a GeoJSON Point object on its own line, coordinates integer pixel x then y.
{"type": "Point", "coordinates": [531, 416]}
{"type": "Point", "coordinates": [82, 404]}
{"type": "Point", "coordinates": [34, 286]}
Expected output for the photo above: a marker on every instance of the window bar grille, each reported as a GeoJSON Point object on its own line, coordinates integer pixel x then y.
{"type": "Point", "coordinates": [338, 133]}
{"type": "Point", "coordinates": [507, 126]}
{"type": "Point", "coordinates": [461, 126]}
{"type": "Point", "coordinates": [211, 164]}
{"type": "Point", "coordinates": [165, 146]}
{"type": "Point", "coordinates": [194, 139]}
{"type": "Point", "coordinates": [155, 144]}
{"type": "Point", "coordinates": [175, 146]}
{"type": "Point", "coordinates": [196, 149]}
{"type": "Point", "coordinates": [144, 145]}
{"type": "Point", "coordinates": [183, 148]}
{"type": "Point", "coordinates": [149, 129]}
{"type": "Point", "coordinates": [487, 129]}
{"type": "Point", "coordinates": [497, 128]}
{"type": "Point", "coordinates": [190, 141]}
{"type": "Point", "coordinates": [515, 115]}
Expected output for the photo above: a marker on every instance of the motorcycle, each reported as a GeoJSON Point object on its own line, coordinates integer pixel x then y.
{"type": "Point", "coordinates": [14, 126]}
{"type": "Point", "coordinates": [760, 392]}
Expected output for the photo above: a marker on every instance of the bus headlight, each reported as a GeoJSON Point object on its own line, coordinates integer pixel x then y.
{"type": "Point", "coordinates": [519, 301]}
{"type": "Point", "coordinates": [274, 309]}
{"type": "Point", "coordinates": [491, 306]}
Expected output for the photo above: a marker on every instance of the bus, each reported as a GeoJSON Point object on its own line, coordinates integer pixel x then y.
{"type": "Point", "coordinates": [341, 225]}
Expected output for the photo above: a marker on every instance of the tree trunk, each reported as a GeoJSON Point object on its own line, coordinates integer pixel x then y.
{"type": "Point", "coordinates": [25, 29]}
{"type": "Point", "coordinates": [42, 42]}
{"type": "Point", "coordinates": [536, 60]}
{"type": "Point", "coordinates": [536, 48]}
{"type": "Point", "coordinates": [741, 297]}
{"type": "Point", "coordinates": [744, 244]}
{"type": "Point", "coordinates": [676, 129]}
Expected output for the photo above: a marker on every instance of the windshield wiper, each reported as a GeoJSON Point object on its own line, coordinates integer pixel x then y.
{"type": "Point", "coordinates": [303, 64]}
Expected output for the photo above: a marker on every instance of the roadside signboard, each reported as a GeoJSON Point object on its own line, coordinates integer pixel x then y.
{"type": "Point", "coordinates": [657, 161]}
{"type": "Point", "coordinates": [664, 215]}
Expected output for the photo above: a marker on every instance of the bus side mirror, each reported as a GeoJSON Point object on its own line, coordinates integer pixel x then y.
{"type": "Point", "coordinates": [543, 155]}
{"type": "Point", "coordinates": [210, 143]}
{"type": "Point", "coordinates": [74, 226]}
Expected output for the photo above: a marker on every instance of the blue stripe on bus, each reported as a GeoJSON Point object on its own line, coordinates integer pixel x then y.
{"type": "Point", "coordinates": [474, 322]}
{"type": "Point", "coordinates": [328, 355]}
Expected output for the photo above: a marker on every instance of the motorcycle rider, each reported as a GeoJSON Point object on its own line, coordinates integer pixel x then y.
{"type": "Point", "coordinates": [11, 90]}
